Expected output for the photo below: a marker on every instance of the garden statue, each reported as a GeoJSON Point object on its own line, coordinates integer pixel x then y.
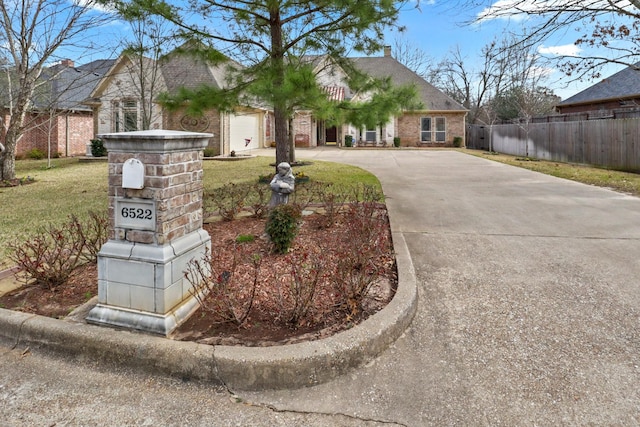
{"type": "Point", "coordinates": [282, 184]}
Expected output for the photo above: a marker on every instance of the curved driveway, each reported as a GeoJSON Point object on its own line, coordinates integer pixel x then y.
{"type": "Point", "coordinates": [529, 300]}
{"type": "Point", "coordinates": [529, 314]}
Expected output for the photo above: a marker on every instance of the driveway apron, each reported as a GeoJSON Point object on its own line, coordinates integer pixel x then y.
{"type": "Point", "coordinates": [529, 300]}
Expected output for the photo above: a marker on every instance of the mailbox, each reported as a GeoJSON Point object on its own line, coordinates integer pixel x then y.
{"type": "Point", "coordinates": [133, 174]}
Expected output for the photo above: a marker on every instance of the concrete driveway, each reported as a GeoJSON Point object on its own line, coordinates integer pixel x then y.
{"type": "Point", "coordinates": [529, 310]}
{"type": "Point", "coordinates": [529, 314]}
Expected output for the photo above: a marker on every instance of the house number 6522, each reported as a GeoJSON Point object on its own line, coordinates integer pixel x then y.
{"type": "Point", "coordinates": [136, 213]}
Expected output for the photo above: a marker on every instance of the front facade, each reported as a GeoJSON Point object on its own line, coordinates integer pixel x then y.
{"type": "Point", "coordinates": [120, 106]}
{"type": "Point", "coordinates": [441, 122]}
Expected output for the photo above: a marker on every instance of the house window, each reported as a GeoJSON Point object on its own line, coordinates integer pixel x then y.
{"type": "Point", "coordinates": [441, 134]}
{"type": "Point", "coordinates": [430, 133]}
{"type": "Point", "coordinates": [425, 129]}
{"type": "Point", "coordinates": [130, 115]}
{"type": "Point", "coordinates": [125, 116]}
{"type": "Point", "coordinates": [370, 135]}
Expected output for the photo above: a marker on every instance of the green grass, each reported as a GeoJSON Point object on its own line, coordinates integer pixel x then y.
{"type": "Point", "coordinates": [73, 187]}
{"type": "Point", "coordinates": [624, 182]}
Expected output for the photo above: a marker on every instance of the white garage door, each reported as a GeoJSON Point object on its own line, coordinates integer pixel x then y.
{"type": "Point", "coordinates": [243, 132]}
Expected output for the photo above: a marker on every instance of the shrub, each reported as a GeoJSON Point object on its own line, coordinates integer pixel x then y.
{"type": "Point", "coordinates": [361, 260]}
{"type": "Point", "coordinates": [457, 141]}
{"type": "Point", "coordinates": [209, 152]}
{"type": "Point", "coordinates": [258, 199]}
{"type": "Point", "coordinates": [282, 227]}
{"type": "Point", "coordinates": [97, 148]}
{"type": "Point", "coordinates": [396, 141]}
{"type": "Point", "coordinates": [297, 300]}
{"type": "Point", "coordinates": [332, 198]}
{"type": "Point", "coordinates": [36, 154]}
{"type": "Point", "coordinates": [50, 256]}
{"type": "Point", "coordinates": [214, 285]}
{"type": "Point", "coordinates": [227, 200]}
{"type": "Point", "coordinates": [94, 233]}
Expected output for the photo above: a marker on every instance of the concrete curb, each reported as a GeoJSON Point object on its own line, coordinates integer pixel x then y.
{"type": "Point", "coordinates": [243, 368]}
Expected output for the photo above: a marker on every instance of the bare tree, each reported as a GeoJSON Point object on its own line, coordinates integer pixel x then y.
{"type": "Point", "coordinates": [152, 38]}
{"type": "Point", "coordinates": [31, 32]}
{"type": "Point", "coordinates": [610, 27]}
{"type": "Point", "coordinates": [503, 66]}
{"type": "Point", "coordinates": [414, 58]}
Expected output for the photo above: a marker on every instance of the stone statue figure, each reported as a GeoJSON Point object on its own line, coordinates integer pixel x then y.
{"type": "Point", "coordinates": [282, 184]}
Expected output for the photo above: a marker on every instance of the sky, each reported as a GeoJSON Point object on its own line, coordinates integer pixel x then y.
{"type": "Point", "coordinates": [438, 26]}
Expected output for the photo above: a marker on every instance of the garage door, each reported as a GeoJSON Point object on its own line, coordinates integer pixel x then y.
{"type": "Point", "coordinates": [243, 132]}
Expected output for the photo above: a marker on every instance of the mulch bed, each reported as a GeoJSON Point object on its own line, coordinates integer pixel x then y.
{"type": "Point", "coordinates": [263, 327]}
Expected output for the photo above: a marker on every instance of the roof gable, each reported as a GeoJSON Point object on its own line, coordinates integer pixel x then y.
{"type": "Point", "coordinates": [431, 97]}
{"type": "Point", "coordinates": [623, 84]}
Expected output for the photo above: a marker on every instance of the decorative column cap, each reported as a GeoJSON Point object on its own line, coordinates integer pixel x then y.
{"type": "Point", "coordinates": [154, 141]}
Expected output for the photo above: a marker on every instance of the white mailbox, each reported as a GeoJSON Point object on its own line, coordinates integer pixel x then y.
{"type": "Point", "coordinates": [133, 174]}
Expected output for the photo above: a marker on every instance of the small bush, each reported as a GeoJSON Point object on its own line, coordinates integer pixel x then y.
{"type": "Point", "coordinates": [297, 300]}
{"type": "Point", "coordinates": [227, 200]}
{"type": "Point", "coordinates": [258, 199]}
{"type": "Point", "coordinates": [214, 285]}
{"type": "Point", "coordinates": [36, 154]}
{"type": "Point", "coordinates": [209, 152]}
{"type": "Point", "coordinates": [94, 233]}
{"type": "Point", "coordinates": [97, 148]}
{"type": "Point", "coordinates": [282, 227]}
{"type": "Point", "coordinates": [49, 257]}
{"type": "Point", "coordinates": [457, 141]}
{"type": "Point", "coordinates": [361, 258]}
{"type": "Point", "coordinates": [396, 141]}
{"type": "Point", "coordinates": [332, 198]}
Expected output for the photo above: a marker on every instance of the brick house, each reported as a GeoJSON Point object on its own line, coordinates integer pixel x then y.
{"type": "Point", "coordinates": [58, 121]}
{"type": "Point", "coordinates": [441, 120]}
{"type": "Point", "coordinates": [117, 103]}
{"type": "Point", "coordinates": [610, 97]}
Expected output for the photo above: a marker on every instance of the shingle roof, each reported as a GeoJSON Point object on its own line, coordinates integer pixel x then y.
{"type": "Point", "coordinates": [70, 86]}
{"type": "Point", "coordinates": [386, 66]}
{"type": "Point", "coordinates": [623, 84]}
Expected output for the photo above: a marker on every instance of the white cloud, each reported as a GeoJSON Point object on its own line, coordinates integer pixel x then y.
{"type": "Point", "coordinates": [561, 50]}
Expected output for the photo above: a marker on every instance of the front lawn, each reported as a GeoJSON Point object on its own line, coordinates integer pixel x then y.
{"type": "Point", "coordinates": [74, 187]}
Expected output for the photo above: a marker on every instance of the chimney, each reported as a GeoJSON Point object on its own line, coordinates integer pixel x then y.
{"type": "Point", "coordinates": [387, 51]}
{"type": "Point", "coordinates": [67, 63]}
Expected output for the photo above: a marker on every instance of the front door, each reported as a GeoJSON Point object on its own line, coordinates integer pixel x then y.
{"type": "Point", "coordinates": [331, 135]}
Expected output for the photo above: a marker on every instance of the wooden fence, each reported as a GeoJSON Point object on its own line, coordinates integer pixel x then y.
{"type": "Point", "coordinates": [613, 144]}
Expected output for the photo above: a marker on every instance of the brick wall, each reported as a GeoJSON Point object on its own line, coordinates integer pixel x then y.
{"type": "Point", "coordinates": [408, 128]}
{"type": "Point", "coordinates": [174, 181]}
{"type": "Point", "coordinates": [209, 123]}
{"type": "Point", "coordinates": [69, 134]}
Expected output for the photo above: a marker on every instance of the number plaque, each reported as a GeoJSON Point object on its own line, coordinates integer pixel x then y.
{"type": "Point", "coordinates": [135, 214]}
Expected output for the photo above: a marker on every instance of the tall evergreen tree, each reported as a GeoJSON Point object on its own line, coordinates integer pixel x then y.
{"type": "Point", "coordinates": [271, 38]}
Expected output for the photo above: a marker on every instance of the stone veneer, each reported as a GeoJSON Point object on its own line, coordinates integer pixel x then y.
{"type": "Point", "coordinates": [141, 268]}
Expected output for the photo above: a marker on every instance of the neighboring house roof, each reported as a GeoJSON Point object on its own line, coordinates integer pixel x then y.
{"type": "Point", "coordinates": [68, 86]}
{"type": "Point", "coordinates": [432, 98]}
{"type": "Point", "coordinates": [621, 85]}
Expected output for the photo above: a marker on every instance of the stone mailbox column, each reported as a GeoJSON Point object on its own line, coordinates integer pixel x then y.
{"type": "Point", "coordinates": [155, 208]}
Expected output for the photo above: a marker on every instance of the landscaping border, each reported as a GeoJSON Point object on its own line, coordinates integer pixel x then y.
{"type": "Point", "coordinates": [236, 367]}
